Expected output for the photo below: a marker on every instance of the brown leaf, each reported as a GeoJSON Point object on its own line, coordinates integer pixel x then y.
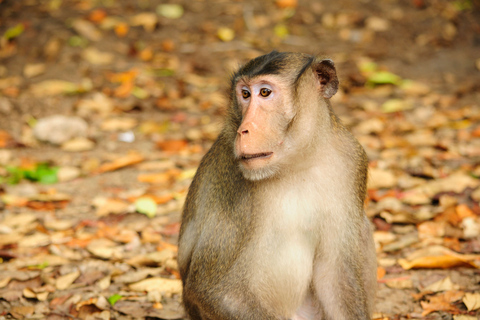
{"type": "Point", "coordinates": [6, 140]}
{"type": "Point", "coordinates": [122, 162]}
{"type": "Point", "coordinates": [286, 3]}
{"type": "Point", "coordinates": [441, 302]}
{"type": "Point", "coordinates": [464, 211]}
{"type": "Point", "coordinates": [160, 178]}
{"type": "Point", "coordinates": [173, 145]}
{"type": "Point", "coordinates": [438, 257]}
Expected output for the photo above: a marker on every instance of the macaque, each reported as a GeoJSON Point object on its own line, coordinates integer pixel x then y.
{"type": "Point", "coordinates": [274, 225]}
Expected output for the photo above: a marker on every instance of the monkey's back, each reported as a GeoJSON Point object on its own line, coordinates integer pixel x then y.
{"type": "Point", "coordinates": [213, 218]}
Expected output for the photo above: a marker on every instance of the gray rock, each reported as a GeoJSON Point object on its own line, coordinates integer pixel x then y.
{"type": "Point", "coordinates": [58, 129]}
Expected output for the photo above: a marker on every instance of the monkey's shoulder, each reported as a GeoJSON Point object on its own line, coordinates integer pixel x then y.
{"type": "Point", "coordinates": [218, 184]}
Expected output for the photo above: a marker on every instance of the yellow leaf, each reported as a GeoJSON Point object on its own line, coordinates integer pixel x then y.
{"type": "Point", "coordinates": [472, 301]}
{"type": "Point", "coordinates": [226, 34]}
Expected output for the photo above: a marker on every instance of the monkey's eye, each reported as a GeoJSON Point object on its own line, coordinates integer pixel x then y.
{"type": "Point", "coordinates": [265, 92]}
{"type": "Point", "coordinates": [245, 94]}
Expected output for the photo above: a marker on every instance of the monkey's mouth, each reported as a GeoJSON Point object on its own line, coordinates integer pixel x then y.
{"type": "Point", "coordinates": [254, 156]}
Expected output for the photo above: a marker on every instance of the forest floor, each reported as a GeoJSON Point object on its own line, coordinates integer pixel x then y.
{"type": "Point", "coordinates": [107, 106]}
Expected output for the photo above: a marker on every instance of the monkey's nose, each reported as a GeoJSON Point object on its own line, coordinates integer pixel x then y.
{"type": "Point", "coordinates": [242, 132]}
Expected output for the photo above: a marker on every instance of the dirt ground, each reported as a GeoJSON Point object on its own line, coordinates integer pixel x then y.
{"type": "Point", "coordinates": [151, 84]}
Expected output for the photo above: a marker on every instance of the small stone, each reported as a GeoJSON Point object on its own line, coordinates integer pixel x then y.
{"type": "Point", "coordinates": [58, 129]}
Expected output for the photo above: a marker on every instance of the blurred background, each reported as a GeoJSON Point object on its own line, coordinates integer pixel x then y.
{"type": "Point", "coordinates": [107, 106]}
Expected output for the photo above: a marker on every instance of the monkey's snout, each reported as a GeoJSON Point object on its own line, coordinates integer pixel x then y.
{"type": "Point", "coordinates": [247, 157]}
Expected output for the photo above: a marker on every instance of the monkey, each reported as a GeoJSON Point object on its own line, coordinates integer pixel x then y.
{"type": "Point", "coordinates": [273, 225]}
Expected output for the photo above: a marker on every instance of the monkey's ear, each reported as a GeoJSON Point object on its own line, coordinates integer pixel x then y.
{"type": "Point", "coordinates": [326, 75]}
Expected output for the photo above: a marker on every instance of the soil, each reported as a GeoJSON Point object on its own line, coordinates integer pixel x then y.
{"type": "Point", "coordinates": [429, 41]}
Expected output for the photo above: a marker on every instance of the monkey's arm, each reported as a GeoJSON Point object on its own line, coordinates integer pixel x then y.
{"type": "Point", "coordinates": [345, 280]}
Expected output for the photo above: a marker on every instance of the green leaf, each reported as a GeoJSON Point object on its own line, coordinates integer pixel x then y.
{"type": "Point", "coordinates": [114, 298]}
{"type": "Point", "coordinates": [146, 206]}
{"type": "Point", "coordinates": [367, 67]}
{"type": "Point", "coordinates": [77, 41]}
{"type": "Point", "coordinates": [162, 72]}
{"type": "Point", "coordinates": [383, 77]}
{"type": "Point", "coordinates": [171, 11]}
{"type": "Point", "coordinates": [140, 93]}
{"type": "Point", "coordinates": [395, 105]}
{"type": "Point", "coordinates": [281, 31]}
{"type": "Point", "coordinates": [42, 173]}
{"type": "Point", "coordinates": [15, 175]}
{"type": "Point", "coordinates": [14, 31]}
{"type": "Point", "coordinates": [42, 265]}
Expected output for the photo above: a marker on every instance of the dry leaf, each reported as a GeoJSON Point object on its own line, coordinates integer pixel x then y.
{"type": "Point", "coordinates": [96, 57]}
{"type": "Point", "coordinates": [381, 272]}
{"type": "Point", "coordinates": [147, 19]}
{"type": "Point", "coordinates": [445, 284]}
{"type": "Point", "coordinates": [65, 281]}
{"type": "Point", "coordinates": [286, 3]}
{"type": "Point", "coordinates": [166, 286]}
{"type": "Point", "coordinates": [379, 178]}
{"type": "Point", "coordinates": [439, 257]}
{"type": "Point", "coordinates": [399, 283]}
{"type": "Point", "coordinates": [464, 317]}
{"type": "Point", "coordinates": [78, 145]}
{"type": "Point", "coordinates": [172, 145]}
{"type": "Point", "coordinates": [441, 302]}
{"type": "Point", "coordinates": [118, 124]}
{"type": "Point", "coordinates": [87, 29]}
{"type": "Point", "coordinates": [472, 301]}
{"type": "Point", "coordinates": [122, 162]}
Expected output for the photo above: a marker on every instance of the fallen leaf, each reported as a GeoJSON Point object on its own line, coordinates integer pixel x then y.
{"type": "Point", "coordinates": [121, 29]}
{"type": "Point", "coordinates": [110, 206]}
{"type": "Point", "coordinates": [122, 162]}
{"type": "Point", "coordinates": [472, 301]}
{"type": "Point", "coordinates": [396, 105]}
{"type": "Point", "coordinates": [173, 146]}
{"type": "Point", "coordinates": [464, 317]}
{"type": "Point", "coordinates": [87, 30]}
{"type": "Point", "coordinates": [78, 144]}
{"type": "Point", "coordinates": [400, 284]}
{"type": "Point", "coordinates": [445, 284]}
{"type": "Point", "coordinates": [96, 57]}
{"type": "Point", "coordinates": [118, 124]}
{"type": "Point", "coordinates": [377, 24]}
{"type": "Point", "coordinates": [54, 87]}
{"type": "Point", "coordinates": [286, 3]}
{"type": "Point", "coordinates": [147, 206]}
{"type": "Point", "coordinates": [226, 34]}
{"type": "Point", "coordinates": [147, 20]}
{"type": "Point", "coordinates": [380, 178]}
{"type": "Point", "coordinates": [165, 286]}
{"type": "Point", "coordinates": [171, 11]}
{"type": "Point", "coordinates": [381, 272]}
{"type": "Point", "coordinates": [33, 70]}
{"type": "Point", "coordinates": [441, 302]}
{"type": "Point", "coordinates": [63, 282]}
{"type": "Point", "coordinates": [14, 32]}
{"type": "Point", "coordinates": [438, 257]}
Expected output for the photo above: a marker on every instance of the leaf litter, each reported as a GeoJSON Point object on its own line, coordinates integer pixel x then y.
{"type": "Point", "coordinates": [89, 209]}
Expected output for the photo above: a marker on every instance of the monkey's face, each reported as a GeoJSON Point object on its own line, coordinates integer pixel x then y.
{"type": "Point", "coordinates": [266, 115]}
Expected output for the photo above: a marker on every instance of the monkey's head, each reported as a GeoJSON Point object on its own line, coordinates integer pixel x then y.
{"type": "Point", "coordinates": [276, 98]}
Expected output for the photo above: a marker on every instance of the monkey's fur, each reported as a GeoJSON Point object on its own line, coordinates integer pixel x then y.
{"type": "Point", "coordinates": [289, 239]}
